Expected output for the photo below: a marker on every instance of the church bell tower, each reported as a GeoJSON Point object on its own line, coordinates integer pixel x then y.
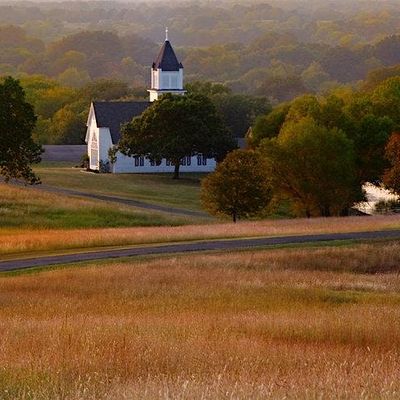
{"type": "Point", "coordinates": [166, 73]}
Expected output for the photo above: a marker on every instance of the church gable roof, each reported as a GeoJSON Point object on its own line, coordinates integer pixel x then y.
{"type": "Point", "coordinates": [112, 114]}
{"type": "Point", "coordinates": [166, 59]}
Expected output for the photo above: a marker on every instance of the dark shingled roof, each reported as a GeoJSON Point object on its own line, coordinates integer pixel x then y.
{"type": "Point", "coordinates": [166, 59]}
{"type": "Point", "coordinates": [112, 114]}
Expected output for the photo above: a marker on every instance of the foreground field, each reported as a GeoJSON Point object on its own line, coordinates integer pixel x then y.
{"type": "Point", "coordinates": [16, 241]}
{"type": "Point", "coordinates": [309, 323]}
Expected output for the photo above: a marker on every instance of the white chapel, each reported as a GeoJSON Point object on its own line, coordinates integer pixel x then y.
{"type": "Point", "coordinates": [106, 118]}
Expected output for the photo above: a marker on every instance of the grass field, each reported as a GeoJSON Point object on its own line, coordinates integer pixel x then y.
{"type": "Point", "coordinates": [152, 188]}
{"type": "Point", "coordinates": [19, 241]}
{"type": "Point", "coordinates": [300, 323]}
{"type": "Point", "coordinates": [35, 210]}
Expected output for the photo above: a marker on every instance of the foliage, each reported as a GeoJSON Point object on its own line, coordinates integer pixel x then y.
{"type": "Point", "coordinates": [238, 111]}
{"type": "Point", "coordinates": [297, 48]}
{"type": "Point", "coordinates": [68, 127]}
{"type": "Point", "coordinates": [238, 188]}
{"type": "Point", "coordinates": [377, 76]}
{"type": "Point", "coordinates": [361, 117]}
{"type": "Point", "coordinates": [391, 177]}
{"type": "Point", "coordinates": [387, 207]}
{"type": "Point", "coordinates": [282, 88]}
{"type": "Point", "coordinates": [176, 127]}
{"type": "Point", "coordinates": [17, 120]}
{"type": "Point", "coordinates": [314, 167]}
{"type": "Point", "coordinates": [104, 89]}
{"type": "Point", "coordinates": [269, 126]}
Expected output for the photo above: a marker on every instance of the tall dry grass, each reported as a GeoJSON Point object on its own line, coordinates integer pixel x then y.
{"type": "Point", "coordinates": [16, 241]}
{"type": "Point", "coordinates": [282, 324]}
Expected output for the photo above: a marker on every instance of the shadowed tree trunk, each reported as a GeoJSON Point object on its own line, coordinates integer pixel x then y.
{"type": "Point", "coordinates": [176, 170]}
{"type": "Point", "coordinates": [234, 217]}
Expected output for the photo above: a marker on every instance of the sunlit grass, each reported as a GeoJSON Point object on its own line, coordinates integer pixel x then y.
{"type": "Point", "coordinates": [152, 188]}
{"type": "Point", "coordinates": [283, 324]}
{"type": "Point", "coordinates": [28, 240]}
{"type": "Point", "coordinates": [33, 210]}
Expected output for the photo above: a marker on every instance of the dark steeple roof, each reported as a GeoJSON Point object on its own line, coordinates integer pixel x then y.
{"type": "Point", "coordinates": [166, 59]}
{"type": "Point", "coordinates": [113, 114]}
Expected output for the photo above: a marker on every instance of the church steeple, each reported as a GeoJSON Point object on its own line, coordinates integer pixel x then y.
{"type": "Point", "coordinates": [166, 72]}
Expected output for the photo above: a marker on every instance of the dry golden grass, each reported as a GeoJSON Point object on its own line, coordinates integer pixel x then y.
{"type": "Point", "coordinates": [303, 323]}
{"type": "Point", "coordinates": [23, 240]}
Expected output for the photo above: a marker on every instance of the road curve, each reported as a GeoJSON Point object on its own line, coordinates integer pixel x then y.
{"type": "Point", "coordinates": [114, 199]}
{"type": "Point", "coordinates": [206, 245]}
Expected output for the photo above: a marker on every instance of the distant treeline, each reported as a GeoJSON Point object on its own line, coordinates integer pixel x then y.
{"type": "Point", "coordinates": [253, 48]}
{"type": "Point", "coordinates": [69, 53]}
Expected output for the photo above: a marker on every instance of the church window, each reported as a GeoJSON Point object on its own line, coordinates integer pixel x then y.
{"type": "Point", "coordinates": [165, 82]}
{"type": "Point", "coordinates": [186, 161]}
{"type": "Point", "coordinates": [93, 157]}
{"type": "Point", "coordinates": [168, 163]}
{"type": "Point", "coordinates": [139, 161]}
{"type": "Point", "coordinates": [174, 82]}
{"type": "Point", "coordinates": [201, 160]}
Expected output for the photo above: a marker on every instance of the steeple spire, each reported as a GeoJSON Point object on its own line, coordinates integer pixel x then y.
{"type": "Point", "coordinates": [166, 72]}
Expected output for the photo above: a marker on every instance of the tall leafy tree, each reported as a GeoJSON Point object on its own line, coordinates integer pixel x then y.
{"type": "Point", "coordinates": [313, 167]}
{"type": "Point", "coordinates": [239, 187]}
{"type": "Point", "coordinates": [391, 177]}
{"type": "Point", "coordinates": [17, 120]}
{"type": "Point", "coordinates": [269, 126]}
{"type": "Point", "coordinates": [175, 127]}
{"type": "Point", "coordinates": [238, 111]}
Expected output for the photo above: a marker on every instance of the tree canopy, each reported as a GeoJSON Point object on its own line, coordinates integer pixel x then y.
{"type": "Point", "coordinates": [391, 177]}
{"type": "Point", "coordinates": [17, 120]}
{"type": "Point", "coordinates": [175, 127]}
{"type": "Point", "coordinates": [314, 167]}
{"type": "Point", "coordinates": [239, 187]}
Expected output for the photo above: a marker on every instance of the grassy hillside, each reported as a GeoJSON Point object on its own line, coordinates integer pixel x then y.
{"type": "Point", "coordinates": [305, 323]}
{"type": "Point", "coordinates": [152, 188]}
{"type": "Point", "coordinates": [34, 210]}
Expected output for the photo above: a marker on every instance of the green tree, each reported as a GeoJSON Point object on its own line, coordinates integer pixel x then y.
{"type": "Point", "coordinates": [73, 77]}
{"type": "Point", "coordinates": [175, 127]}
{"type": "Point", "coordinates": [314, 76]}
{"type": "Point", "coordinates": [207, 88]}
{"type": "Point", "coordinates": [391, 177]}
{"type": "Point", "coordinates": [370, 137]}
{"type": "Point", "coordinates": [239, 187]}
{"type": "Point", "coordinates": [238, 111]}
{"type": "Point", "coordinates": [17, 120]}
{"type": "Point", "coordinates": [68, 126]}
{"type": "Point", "coordinates": [377, 76]}
{"type": "Point", "coordinates": [314, 167]}
{"type": "Point", "coordinates": [386, 99]}
{"type": "Point", "coordinates": [104, 89]}
{"type": "Point", "coordinates": [282, 88]}
{"type": "Point", "coordinates": [269, 126]}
